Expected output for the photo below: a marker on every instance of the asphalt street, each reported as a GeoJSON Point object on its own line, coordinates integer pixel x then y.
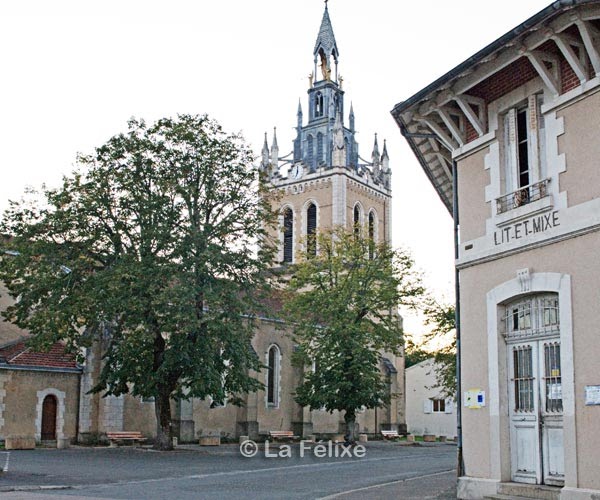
{"type": "Point", "coordinates": [387, 471]}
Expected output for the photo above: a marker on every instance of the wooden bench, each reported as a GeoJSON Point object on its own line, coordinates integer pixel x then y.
{"type": "Point", "coordinates": [134, 437]}
{"type": "Point", "coordinates": [390, 434]}
{"type": "Point", "coordinates": [282, 435]}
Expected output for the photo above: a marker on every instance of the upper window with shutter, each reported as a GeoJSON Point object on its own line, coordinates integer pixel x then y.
{"type": "Point", "coordinates": [524, 177]}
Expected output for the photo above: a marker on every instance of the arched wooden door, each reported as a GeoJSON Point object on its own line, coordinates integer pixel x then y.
{"type": "Point", "coordinates": [49, 418]}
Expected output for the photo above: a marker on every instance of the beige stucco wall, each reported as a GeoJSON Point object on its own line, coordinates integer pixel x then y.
{"type": "Point", "coordinates": [581, 147]}
{"type": "Point", "coordinates": [20, 402]}
{"type": "Point", "coordinates": [474, 210]}
{"type": "Point", "coordinates": [576, 257]}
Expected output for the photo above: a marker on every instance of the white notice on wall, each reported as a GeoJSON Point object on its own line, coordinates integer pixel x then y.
{"type": "Point", "coordinates": [592, 395]}
{"type": "Point", "coordinates": [474, 399]}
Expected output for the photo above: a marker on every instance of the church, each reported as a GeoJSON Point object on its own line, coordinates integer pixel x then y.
{"type": "Point", "coordinates": [322, 183]}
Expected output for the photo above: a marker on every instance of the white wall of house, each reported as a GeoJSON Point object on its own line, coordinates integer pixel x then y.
{"type": "Point", "coordinates": [427, 412]}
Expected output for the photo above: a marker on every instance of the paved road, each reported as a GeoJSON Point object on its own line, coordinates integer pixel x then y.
{"type": "Point", "coordinates": [388, 471]}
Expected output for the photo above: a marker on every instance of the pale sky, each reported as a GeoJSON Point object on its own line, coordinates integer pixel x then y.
{"type": "Point", "coordinates": [74, 72]}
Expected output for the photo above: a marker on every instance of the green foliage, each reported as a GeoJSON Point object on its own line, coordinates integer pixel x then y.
{"type": "Point", "coordinates": [343, 306]}
{"type": "Point", "coordinates": [150, 245]}
{"type": "Point", "coordinates": [413, 353]}
{"type": "Point", "coordinates": [442, 318]}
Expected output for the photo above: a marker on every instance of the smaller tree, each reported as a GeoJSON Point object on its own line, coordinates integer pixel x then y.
{"type": "Point", "coordinates": [441, 317]}
{"type": "Point", "coordinates": [342, 304]}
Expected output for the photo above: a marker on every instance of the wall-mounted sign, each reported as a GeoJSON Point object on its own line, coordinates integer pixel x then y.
{"type": "Point", "coordinates": [592, 395]}
{"type": "Point", "coordinates": [522, 229]}
{"type": "Point", "coordinates": [475, 398]}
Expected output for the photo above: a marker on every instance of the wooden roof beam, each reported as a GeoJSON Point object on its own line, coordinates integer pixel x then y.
{"type": "Point", "coordinates": [454, 130]}
{"type": "Point", "coordinates": [474, 119]}
{"type": "Point", "coordinates": [569, 54]}
{"type": "Point", "coordinates": [537, 60]}
{"type": "Point", "coordinates": [588, 41]}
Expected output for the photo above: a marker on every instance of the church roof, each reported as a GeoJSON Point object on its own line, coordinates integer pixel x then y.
{"type": "Point", "coordinates": [326, 38]}
{"type": "Point", "coordinates": [18, 354]}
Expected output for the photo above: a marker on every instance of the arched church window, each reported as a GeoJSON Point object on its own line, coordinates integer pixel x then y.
{"type": "Point", "coordinates": [319, 148]}
{"type": "Point", "coordinates": [273, 369]}
{"type": "Point", "coordinates": [357, 219]}
{"type": "Point", "coordinates": [311, 229]}
{"type": "Point", "coordinates": [288, 235]}
{"type": "Point", "coordinates": [318, 105]}
{"type": "Point", "coordinates": [371, 235]}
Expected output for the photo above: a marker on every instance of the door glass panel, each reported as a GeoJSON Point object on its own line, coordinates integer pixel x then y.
{"type": "Point", "coordinates": [523, 378]}
{"type": "Point", "coordinates": [553, 378]}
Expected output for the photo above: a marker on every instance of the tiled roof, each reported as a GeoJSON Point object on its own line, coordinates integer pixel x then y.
{"type": "Point", "coordinates": [19, 354]}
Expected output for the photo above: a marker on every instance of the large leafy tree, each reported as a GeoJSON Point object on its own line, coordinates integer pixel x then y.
{"type": "Point", "coordinates": [343, 305]}
{"type": "Point", "coordinates": [152, 243]}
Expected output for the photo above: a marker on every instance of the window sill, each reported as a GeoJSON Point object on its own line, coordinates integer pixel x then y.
{"type": "Point", "coordinates": [525, 211]}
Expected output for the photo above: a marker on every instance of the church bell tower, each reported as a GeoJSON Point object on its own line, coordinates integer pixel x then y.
{"type": "Point", "coordinates": [323, 182]}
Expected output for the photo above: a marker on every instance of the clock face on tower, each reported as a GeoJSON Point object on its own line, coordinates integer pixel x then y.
{"type": "Point", "coordinates": [297, 171]}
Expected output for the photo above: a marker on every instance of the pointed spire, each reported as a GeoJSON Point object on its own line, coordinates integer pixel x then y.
{"type": "Point", "coordinates": [274, 145]}
{"type": "Point", "coordinates": [384, 155]}
{"type": "Point", "coordinates": [351, 117]}
{"type": "Point", "coordinates": [265, 154]}
{"type": "Point", "coordinates": [375, 155]}
{"type": "Point", "coordinates": [299, 115]}
{"type": "Point", "coordinates": [275, 151]}
{"type": "Point", "coordinates": [386, 171]}
{"type": "Point", "coordinates": [326, 46]}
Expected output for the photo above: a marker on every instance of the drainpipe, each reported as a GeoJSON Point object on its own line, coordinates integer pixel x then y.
{"type": "Point", "coordinates": [460, 466]}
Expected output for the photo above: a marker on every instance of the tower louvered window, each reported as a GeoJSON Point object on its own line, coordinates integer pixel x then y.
{"type": "Point", "coordinates": [318, 104]}
{"type": "Point", "coordinates": [288, 235]}
{"type": "Point", "coordinates": [309, 150]}
{"type": "Point", "coordinates": [311, 229]}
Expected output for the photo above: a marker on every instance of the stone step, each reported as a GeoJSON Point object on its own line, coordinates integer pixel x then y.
{"type": "Point", "coordinates": [521, 490]}
{"type": "Point", "coordinates": [506, 497]}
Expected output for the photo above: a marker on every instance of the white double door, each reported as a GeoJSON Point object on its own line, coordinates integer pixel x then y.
{"type": "Point", "coordinates": [536, 412]}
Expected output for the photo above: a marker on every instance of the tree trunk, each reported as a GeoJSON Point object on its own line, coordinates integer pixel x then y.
{"type": "Point", "coordinates": [350, 419]}
{"type": "Point", "coordinates": [162, 409]}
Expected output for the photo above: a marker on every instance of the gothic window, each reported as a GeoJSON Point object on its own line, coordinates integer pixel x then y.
{"type": "Point", "coordinates": [357, 219]}
{"type": "Point", "coordinates": [311, 229]}
{"type": "Point", "coordinates": [371, 235]}
{"type": "Point", "coordinates": [288, 235]}
{"type": "Point", "coordinates": [309, 153]}
{"type": "Point", "coordinates": [318, 105]}
{"type": "Point", "coordinates": [319, 148]}
{"type": "Point", "coordinates": [273, 373]}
